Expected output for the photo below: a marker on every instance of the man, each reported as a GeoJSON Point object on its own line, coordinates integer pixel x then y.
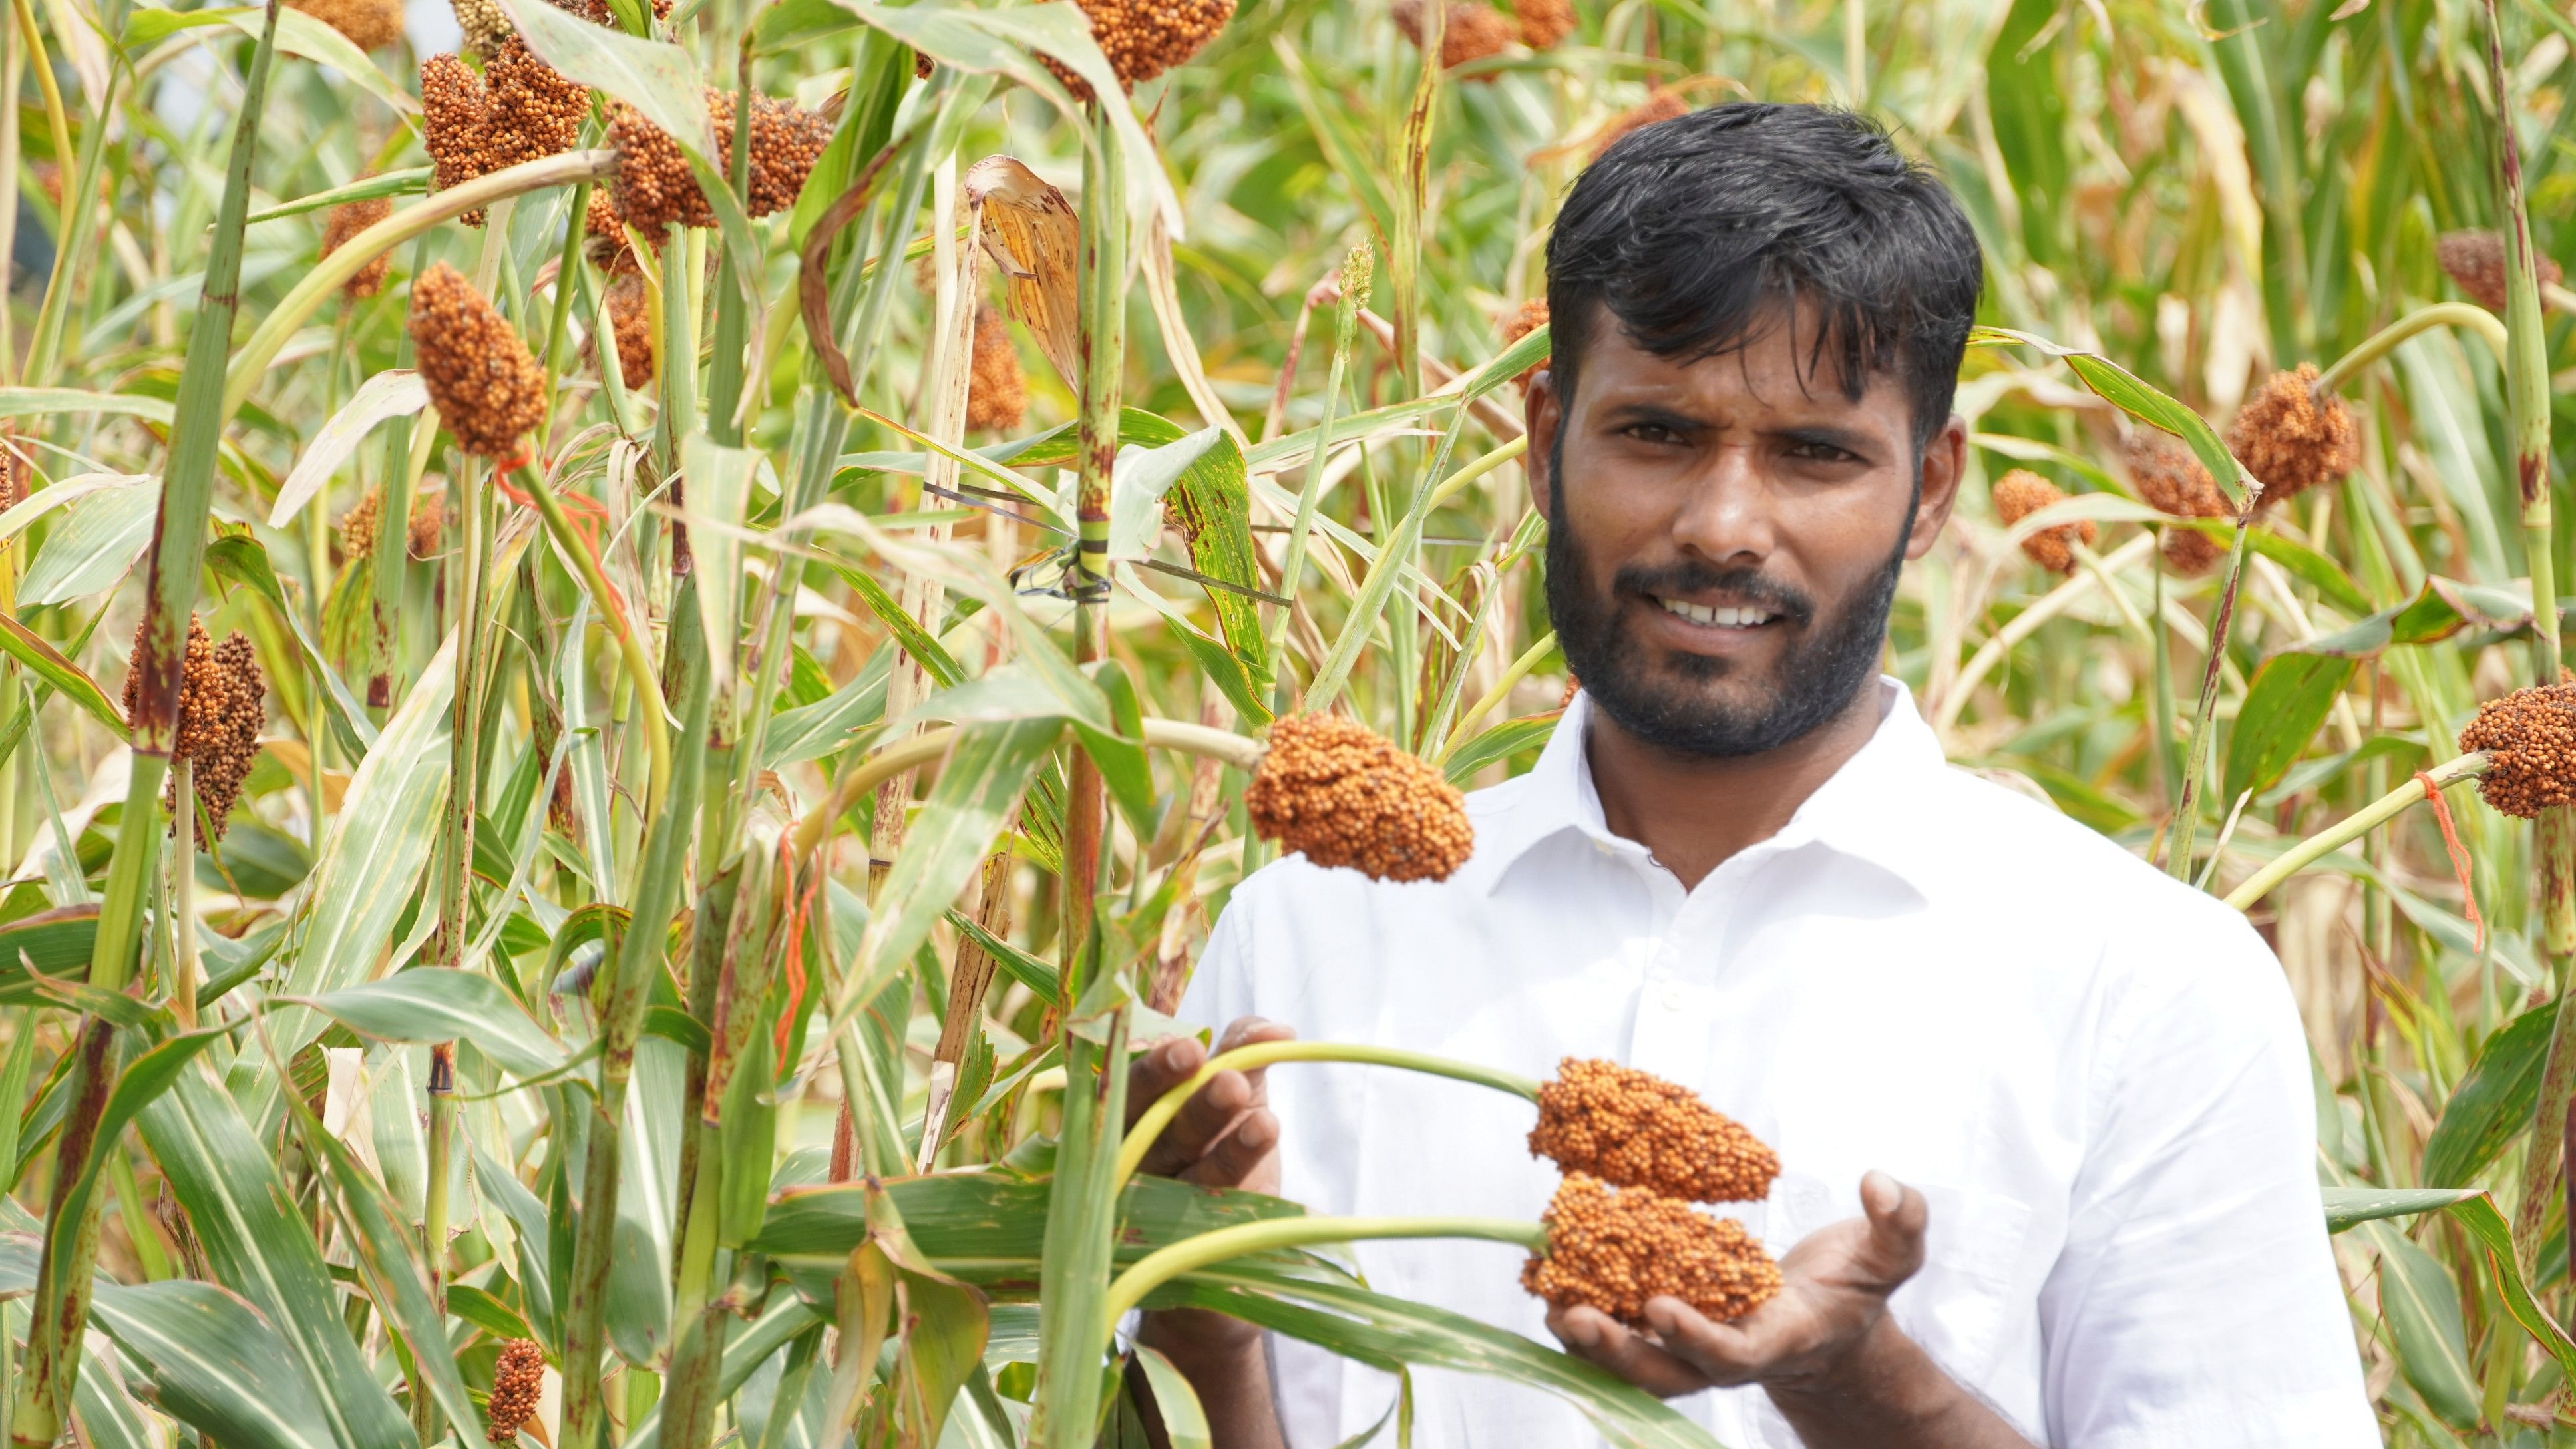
{"type": "Point", "coordinates": [2045, 1114]}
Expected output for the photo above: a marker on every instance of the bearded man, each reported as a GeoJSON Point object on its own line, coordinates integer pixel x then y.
{"type": "Point", "coordinates": [2045, 1114]}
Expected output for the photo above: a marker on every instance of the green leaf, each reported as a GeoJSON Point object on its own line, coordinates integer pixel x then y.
{"type": "Point", "coordinates": [925, 650]}
{"type": "Point", "coordinates": [2348, 1207]}
{"type": "Point", "coordinates": [369, 873]}
{"type": "Point", "coordinates": [719, 492]}
{"type": "Point", "coordinates": [297, 34]}
{"type": "Point", "coordinates": [437, 1003]}
{"type": "Point", "coordinates": [256, 1244]}
{"type": "Point", "coordinates": [1019, 965]}
{"type": "Point", "coordinates": [943, 1346]}
{"type": "Point", "coordinates": [2310, 567]}
{"type": "Point", "coordinates": [92, 545]}
{"type": "Point", "coordinates": [68, 679]}
{"type": "Point", "coordinates": [977, 788]}
{"type": "Point", "coordinates": [1499, 743]}
{"type": "Point", "coordinates": [2122, 389]}
{"type": "Point", "coordinates": [216, 1365]}
{"type": "Point", "coordinates": [1185, 1423]}
{"type": "Point", "coordinates": [659, 79]}
{"type": "Point", "coordinates": [2422, 1307]}
{"type": "Point", "coordinates": [2493, 1103]}
{"type": "Point", "coordinates": [2288, 698]}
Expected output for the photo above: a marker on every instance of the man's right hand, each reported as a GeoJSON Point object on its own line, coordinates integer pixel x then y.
{"type": "Point", "coordinates": [1225, 1136]}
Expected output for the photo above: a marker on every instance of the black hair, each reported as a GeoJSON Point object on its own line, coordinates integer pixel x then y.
{"type": "Point", "coordinates": [1693, 232]}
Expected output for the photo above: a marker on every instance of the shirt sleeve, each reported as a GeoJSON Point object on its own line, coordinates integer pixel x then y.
{"type": "Point", "coordinates": [2196, 1301]}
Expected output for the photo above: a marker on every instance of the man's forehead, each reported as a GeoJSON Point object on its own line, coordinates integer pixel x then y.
{"type": "Point", "coordinates": [1777, 366]}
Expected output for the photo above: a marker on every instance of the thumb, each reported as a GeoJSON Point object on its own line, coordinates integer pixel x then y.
{"type": "Point", "coordinates": [1898, 1216]}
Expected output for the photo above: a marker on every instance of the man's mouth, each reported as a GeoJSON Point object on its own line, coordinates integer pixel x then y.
{"type": "Point", "coordinates": [1718, 616]}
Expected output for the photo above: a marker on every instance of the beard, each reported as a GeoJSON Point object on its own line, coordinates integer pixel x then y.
{"type": "Point", "coordinates": [1673, 702]}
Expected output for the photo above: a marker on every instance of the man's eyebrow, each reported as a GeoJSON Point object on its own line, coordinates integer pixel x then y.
{"type": "Point", "coordinates": [1856, 441]}
{"type": "Point", "coordinates": [1631, 414]}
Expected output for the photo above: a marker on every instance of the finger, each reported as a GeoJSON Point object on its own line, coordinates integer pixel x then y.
{"type": "Point", "coordinates": [1233, 1159]}
{"type": "Point", "coordinates": [1898, 1217]}
{"type": "Point", "coordinates": [1158, 1069]}
{"type": "Point", "coordinates": [1205, 1117]}
{"type": "Point", "coordinates": [1246, 1031]}
{"type": "Point", "coordinates": [1724, 1354]}
{"type": "Point", "coordinates": [1597, 1338]}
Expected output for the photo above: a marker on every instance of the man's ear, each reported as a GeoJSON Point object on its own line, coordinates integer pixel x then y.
{"type": "Point", "coordinates": [1945, 462]}
{"type": "Point", "coordinates": [1541, 414]}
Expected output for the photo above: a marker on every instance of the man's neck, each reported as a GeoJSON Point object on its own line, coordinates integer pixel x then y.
{"type": "Point", "coordinates": [1693, 812]}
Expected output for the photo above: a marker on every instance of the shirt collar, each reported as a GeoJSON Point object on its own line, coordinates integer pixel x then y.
{"type": "Point", "coordinates": [1876, 808]}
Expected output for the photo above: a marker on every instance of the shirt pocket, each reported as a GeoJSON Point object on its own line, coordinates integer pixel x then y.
{"type": "Point", "coordinates": [1960, 1305]}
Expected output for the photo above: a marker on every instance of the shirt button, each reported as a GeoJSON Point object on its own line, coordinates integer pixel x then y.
{"type": "Point", "coordinates": [1671, 996]}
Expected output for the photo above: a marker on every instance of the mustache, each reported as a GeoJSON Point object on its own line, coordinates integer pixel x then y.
{"type": "Point", "coordinates": [1688, 577]}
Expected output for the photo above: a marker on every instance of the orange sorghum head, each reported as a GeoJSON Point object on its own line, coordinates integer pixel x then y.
{"type": "Point", "coordinates": [1472, 31]}
{"type": "Point", "coordinates": [1664, 103]}
{"type": "Point", "coordinates": [654, 186]}
{"type": "Point", "coordinates": [1635, 1129]}
{"type": "Point", "coordinates": [1615, 1250]}
{"type": "Point", "coordinates": [451, 124]}
{"type": "Point", "coordinates": [532, 110]}
{"type": "Point", "coordinates": [2475, 260]}
{"type": "Point", "coordinates": [367, 24]}
{"type": "Point", "coordinates": [428, 515]}
{"type": "Point", "coordinates": [1525, 319]}
{"type": "Point", "coordinates": [631, 320]}
{"type": "Point", "coordinates": [608, 247]}
{"type": "Point", "coordinates": [997, 391]}
{"type": "Point", "coordinates": [2170, 477]}
{"type": "Point", "coordinates": [2530, 735]}
{"type": "Point", "coordinates": [1342, 795]}
{"type": "Point", "coordinates": [1543, 22]}
{"type": "Point", "coordinates": [1141, 39]}
{"type": "Point", "coordinates": [347, 220]}
{"type": "Point", "coordinates": [358, 527]}
{"type": "Point", "coordinates": [2019, 494]}
{"type": "Point", "coordinates": [517, 1380]}
{"type": "Point", "coordinates": [2293, 438]}
{"type": "Point", "coordinates": [486, 386]}
{"type": "Point", "coordinates": [221, 693]}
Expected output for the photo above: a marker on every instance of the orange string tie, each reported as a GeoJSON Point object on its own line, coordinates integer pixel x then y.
{"type": "Point", "coordinates": [795, 969]}
{"type": "Point", "coordinates": [2459, 854]}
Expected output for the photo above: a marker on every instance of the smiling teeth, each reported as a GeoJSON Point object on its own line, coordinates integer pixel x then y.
{"type": "Point", "coordinates": [1722, 618]}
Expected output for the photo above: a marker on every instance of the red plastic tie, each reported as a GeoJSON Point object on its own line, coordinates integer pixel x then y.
{"type": "Point", "coordinates": [2459, 854]}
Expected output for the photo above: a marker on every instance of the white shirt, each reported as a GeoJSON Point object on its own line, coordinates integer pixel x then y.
{"type": "Point", "coordinates": [2094, 1073]}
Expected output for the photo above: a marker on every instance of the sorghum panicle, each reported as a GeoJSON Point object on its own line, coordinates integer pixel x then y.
{"type": "Point", "coordinates": [1141, 39]}
{"type": "Point", "coordinates": [1635, 1129]}
{"type": "Point", "coordinates": [1664, 103]}
{"type": "Point", "coordinates": [221, 694]}
{"type": "Point", "coordinates": [2171, 477]}
{"type": "Point", "coordinates": [2475, 260]}
{"type": "Point", "coordinates": [486, 385]}
{"type": "Point", "coordinates": [484, 25]}
{"type": "Point", "coordinates": [1345, 796]}
{"type": "Point", "coordinates": [451, 124]}
{"type": "Point", "coordinates": [997, 393]}
{"type": "Point", "coordinates": [2530, 736]}
{"type": "Point", "coordinates": [347, 220]}
{"type": "Point", "coordinates": [1543, 22]}
{"type": "Point", "coordinates": [518, 1379]}
{"type": "Point", "coordinates": [1525, 319]}
{"type": "Point", "coordinates": [358, 527]}
{"type": "Point", "coordinates": [2293, 438]}
{"type": "Point", "coordinates": [428, 514]}
{"type": "Point", "coordinates": [1615, 1250]}
{"type": "Point", "coordinates": [2019, 494]}
{"type": "Point", "coordinates": [654, 186]}
{"type": "Point", "coordinates": [1473, 31]}
{"type": "Point", "coordinates": [367, 24]}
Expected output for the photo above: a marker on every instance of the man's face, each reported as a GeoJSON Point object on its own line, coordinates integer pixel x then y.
{"type": "Point", "coordinates": [1724, 535]}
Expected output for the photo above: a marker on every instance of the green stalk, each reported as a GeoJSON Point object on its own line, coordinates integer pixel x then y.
{"type": "Point", "coordinates": [1191, 1254]}
{"type": "Point", "coordinates": [433, 1217]}
{"type": "Point", "coordinates": [641, 675]}
{"type": "Point", "coordinates": [1079, 1250]}
{"type": "Point", "coordinates": [2354, 826]}
{"type": "Point", "coordinates": [638, 960]}
{"type": "Point", "coordinates": [1356, 268]}
{"type": "Point", "coordinates": [2464, 315]}
{"type": "Point", "coordinates": [177, 559]}
{"type": "Point", "coordinates": [1150, 1124]}
{"type": "Point", "coordinates": [184, 974]}
{"type": "Point", "coordinates": [2186, 821]}
{"type": "Point", "coordinates": [1512, 674]}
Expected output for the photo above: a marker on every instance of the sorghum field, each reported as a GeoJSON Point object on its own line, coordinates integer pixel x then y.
{"type": "Point", "coordinates": [636, 644]}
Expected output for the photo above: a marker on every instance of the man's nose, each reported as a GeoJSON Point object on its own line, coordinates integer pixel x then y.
{"type": "Point", "coordinates": [1725, 515]}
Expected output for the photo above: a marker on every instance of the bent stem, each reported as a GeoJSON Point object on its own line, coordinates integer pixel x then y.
{"type": "Point", "coordinates": [1189, 1255]}
{"type": "Point", "coordinates": [2352, 827]}
{"type": "Point", "coordinates": [2467, 316]}
{"type": "Point", "coordinates": [2026, 623]}
{"type": "Point", "coordinates": [1150, 1125]}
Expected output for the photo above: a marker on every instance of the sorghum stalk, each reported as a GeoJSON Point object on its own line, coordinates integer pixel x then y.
{"type": "Point", "coordinates": [434, 1211]}
{"type": "Point", "coordinates": [2352, 827]}
{"type": "Point", "coordinates": [2186, 821]}
{"type": "Point", "coordinates": [177, 558]}
{"type": "Point", "coordinates": [1149, 1125]}
{"type": "Point", "coordinates": [638, 957]}
{"type": "Point", "coordinates": [1189, 1255]}
{"type": "Point", "coordinates": [1277, 619]}
{"type": "Point", "coordinates": [1082, 1209]}
{"type": "Point", "coordinates": [2467, 316]}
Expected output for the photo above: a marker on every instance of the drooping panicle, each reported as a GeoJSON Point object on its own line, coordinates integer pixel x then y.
{"type": "Point", "coordinates": [2530, 739]}
{"type": "Point", "coordinates": [1470, 31]}
{"type": "Point", "coordinates": [1616, 1249]}
{"type": "Point", "coordinates": [654, 186]}
{"type": "Point", "coordinates": [347, 220]}
{"type": "Point", "coordinates": [2293, 437]}
{"type": "Point", "coordinates": [2172, 479]}
{"type": "Point", "coordinates": [221, 698]}
{"type": "Point", "coordinates": [2019, 494]}
{"type": "Point", "coordinates": [1636, 1129]}
{"type": "Point", "coordinates": [366, 24]}
{"type": "Point", "coordinates": [997, 390]}
{"type": "Point", "coordinates": [1664, 103]}
{"type": "Point", "coordinates": [2475, 261]}
{"type": "Point", "coordinates": [1141, 39]}
{"type": "Point", "coordinates": [1345, 796]}
{"type": "Point", "coordinates": [486, 385]}
{"type": "Point", "coordinates": [518, 1379]}
{"type": "Point", "coordinates": [1543, 22]}
{"type": "Point", "coordinates": [1525, 319]}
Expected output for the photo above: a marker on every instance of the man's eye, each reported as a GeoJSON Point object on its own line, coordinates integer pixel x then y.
{"type": "Point", "coordinates": [1816, 452]}
{"type": "Point", "coordinates": [1651, 433]}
